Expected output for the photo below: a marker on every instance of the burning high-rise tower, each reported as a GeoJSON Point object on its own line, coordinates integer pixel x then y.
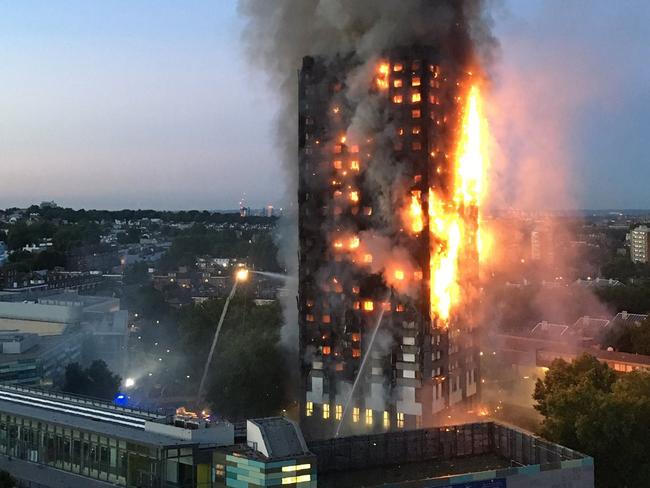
{"type": "Point", "coordinates": [390, 182]}
{"type": "Point", "coordinates": [391, 172]}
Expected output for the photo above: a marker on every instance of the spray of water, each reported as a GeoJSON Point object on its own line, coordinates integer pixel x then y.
{"type": "Point", "coordinates": [360, 372]}
{"type": "Point", "coordinates": [277, 276]}
{"type": "Point", "coordinates": [214, 341]}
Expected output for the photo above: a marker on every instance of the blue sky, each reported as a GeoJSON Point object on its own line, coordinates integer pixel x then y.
{"type": "Point", "coordinates": [151, 103]}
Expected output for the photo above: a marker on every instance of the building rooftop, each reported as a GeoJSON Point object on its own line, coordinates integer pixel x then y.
{"type": "Point", "coordinates": [105, 418]}
{"type": "Point", "coordinates": [41, 346]}
{"type": "Point", "coordinates": [458, 455]}
{"type": "Point", "coordinates": [280, 437]}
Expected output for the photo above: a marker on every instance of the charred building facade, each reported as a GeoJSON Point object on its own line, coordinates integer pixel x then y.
{"type": "Point", "coordinates": [381, 262]}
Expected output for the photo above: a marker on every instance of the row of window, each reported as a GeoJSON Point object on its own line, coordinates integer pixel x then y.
{"type": "Point", "coordinates": [369, 415]}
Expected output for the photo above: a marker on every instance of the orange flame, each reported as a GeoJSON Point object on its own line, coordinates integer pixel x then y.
{"type": "Point", "coordinates": [383, 73]}
{"type": "Point", "coordinates": [415, 213]}
{"type": "Point", "coordinates": [453, 235]}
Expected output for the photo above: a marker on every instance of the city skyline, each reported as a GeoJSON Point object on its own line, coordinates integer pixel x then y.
{"type": "Point", "coordinates": [153, 105]}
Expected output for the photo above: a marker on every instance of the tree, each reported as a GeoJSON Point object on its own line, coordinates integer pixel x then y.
{"type": "Point", "coordinates": [627, 337]}
{"type": "Point", "coordinates": [588, 407]}
{"type": "Point", "coordinates": [6, 480]}
{"type": "Point", "coordinates": [136, 273]}
{"type": "Point", "coordinates": [247, 376]}
{"type": "Point", "coordinates": [568, 392]}
{"type": "Point", "coordinates": [95, 381]}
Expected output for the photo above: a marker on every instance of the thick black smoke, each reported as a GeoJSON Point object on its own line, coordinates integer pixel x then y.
{"type": "Point", "coordinates": [279, 33]}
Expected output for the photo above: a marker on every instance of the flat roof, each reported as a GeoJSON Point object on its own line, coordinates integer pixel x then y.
{"type": "Point", "coordinates": [104, 428]}
{"type": "Point", "coordinates": [420, 471]}
{"type": "Point", "coordinates": [43, 345]}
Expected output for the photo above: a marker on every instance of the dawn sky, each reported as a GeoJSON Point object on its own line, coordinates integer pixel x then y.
{"type": "Point", "coordinates": [151, 103]}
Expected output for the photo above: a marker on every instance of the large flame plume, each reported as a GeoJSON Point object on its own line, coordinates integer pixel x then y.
{"type": "Point", "coordinates": [453, 236]}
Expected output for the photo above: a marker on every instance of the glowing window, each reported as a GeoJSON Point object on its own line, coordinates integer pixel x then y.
{"type": "Point", "coordinates": [415, 81]}
{"type": "Point", "coordinates": [434, 100]}
{"type": "Point", "coordinates": [400, 420]}
{"type": "Point", "coordinates": [416, 97]}
{"type": "Point", "coordinates": [338, 412]}
{"type": "Point", "coordinates": [398, 83]}
{"type": "Point", "coordinates": [356, 337]}
{"type": "Point", "coordinates": [417, 275]}
{"type": "Point", "coordinates": [327, 350]}
{"type": "Point", "coordinates": [356, 289]}
{"type": "Point", "coordinates": [368, 305]}
{"type": "Point", "coordinates": [356, 305]}
{"type": "Point", "coordinates": [356, 414]}
{"type": "Point", "coordinates": [397, 67]}
{"type": "Point", "coordinates": [309, 409]}
{"type": "Point", "coordinates": [368, 416]}
{"type": "Point", "coordinates": [337, 149]}
{"type": "Point", "coordinates": [327, 318]}
{"type": "Point", "coordinates": [354, 165]}
{"type": "Point", "coordinates": [354, 149]}
{"type": "Point", "coordinates": [386, 420]}
{"type": "Point", "coordinates": [326, 411]}
{"type": "Point", "coordinates": [296, 479]}
{"type": "Point", "coordinates": [415, 130]}
{"type": "Point", "coordinates": [399, 308]}
{"type": "Point", "coordinates": [416, 114]}
{"type": "Point", "coordinates": [367, 258]}
{"type": "Point", "coordinates": [356, 353]}
{"type": "Point", "coordinates": [338, 164]}
{"type": "Point", "coordinates": [299, 467]}
{"type": "Point", "coordinates": [367, 210]}
{"type": "Point", "coordinates": [310, 317]}
{"type": "Point", "coordinates": [398, 99]}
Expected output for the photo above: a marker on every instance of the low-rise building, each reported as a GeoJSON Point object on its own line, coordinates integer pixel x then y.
{"type": "Point", "coordinates": [93, 325]}
{"type": "Point", "coordinates": [52, 439]}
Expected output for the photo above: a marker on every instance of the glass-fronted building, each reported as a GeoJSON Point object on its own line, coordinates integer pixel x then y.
{"type": "Point", "coordinates": [53, 439]}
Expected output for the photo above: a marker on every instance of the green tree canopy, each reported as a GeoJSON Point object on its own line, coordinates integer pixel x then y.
{"type": "Point", "coordinates": [96, 380]}
{"type": "Point", "coordinates": [247, 375]}
{"type": "Point", "coordinates": [588, 407]}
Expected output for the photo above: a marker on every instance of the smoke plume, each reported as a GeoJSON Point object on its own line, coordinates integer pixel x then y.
{"type": "Point", "coordinates": [279, 33]}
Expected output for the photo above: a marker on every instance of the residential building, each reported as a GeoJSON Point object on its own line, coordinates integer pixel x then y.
{"type": "Point", "coordinates": [639, 244]}
{"type": "Point", "coordinates": [422, 370]}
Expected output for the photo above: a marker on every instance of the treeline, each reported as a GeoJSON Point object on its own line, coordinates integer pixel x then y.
{"type": "Point", "coordinates": [259, 249]}
{"type": "Point", "coordinates": [183, 216]}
